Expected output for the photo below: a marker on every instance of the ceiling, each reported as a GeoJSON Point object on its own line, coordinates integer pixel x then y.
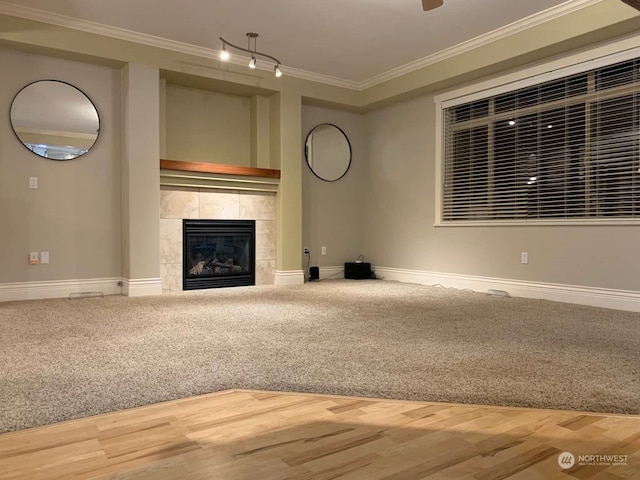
{"type": "Point", "coordinates": [351, 40]}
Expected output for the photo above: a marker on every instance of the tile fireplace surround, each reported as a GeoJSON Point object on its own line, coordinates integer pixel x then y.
{"type": "Point", "coordinates": [177, 203]}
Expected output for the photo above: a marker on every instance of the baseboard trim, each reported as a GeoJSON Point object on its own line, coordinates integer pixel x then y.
{"type": "Point", "coordinates": [288, 277]}
{"type": "Point", "coordinates": [331, 272]}
{"type": "Point", "coordinates": [58, 288]}
{"type": "Point", "coordinates": [141, 287]}
{"type": "Point", "coordinates": [628, 300]}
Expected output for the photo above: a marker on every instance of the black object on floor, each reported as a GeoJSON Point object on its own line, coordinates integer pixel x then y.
{"type": "Point", "coordinates": [357, 270]}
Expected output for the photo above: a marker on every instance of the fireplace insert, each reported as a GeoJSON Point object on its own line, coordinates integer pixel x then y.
{"type": "Point", "coordinates": [218, 253]}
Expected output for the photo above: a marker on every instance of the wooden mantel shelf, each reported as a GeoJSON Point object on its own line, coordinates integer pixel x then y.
{"type": "Point", "coordinates": [201, 167]}
{"type": "Point", "coordinates": [177, 174]}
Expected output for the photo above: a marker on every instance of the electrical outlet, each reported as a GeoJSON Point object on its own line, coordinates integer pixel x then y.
{"type": "Point", "coordinates": [44, 257]}
{"type": "Point", "coordinates": [305, 250]}
{"type": "Point", "coordinates": [33, 258]}
{"type": "Point", "coordinates": [324, 250]}
{"type": "Point", "coordinates": [524, 257]}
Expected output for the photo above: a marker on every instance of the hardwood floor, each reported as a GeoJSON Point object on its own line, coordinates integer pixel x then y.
{"type": "Point", "coordinates": [266, 435]}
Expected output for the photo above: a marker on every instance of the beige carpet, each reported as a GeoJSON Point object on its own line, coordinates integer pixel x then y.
{"type": "Point", "coordinates": [63, 359]}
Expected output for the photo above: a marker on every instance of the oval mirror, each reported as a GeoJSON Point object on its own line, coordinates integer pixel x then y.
{"type": "Point", "coordinates": [55, 120]}
{"type": "Point", "coordinates": [328, 152]}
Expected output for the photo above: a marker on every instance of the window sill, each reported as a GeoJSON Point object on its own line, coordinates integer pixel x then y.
{"type": "Point", "coordinates": [534, 223]}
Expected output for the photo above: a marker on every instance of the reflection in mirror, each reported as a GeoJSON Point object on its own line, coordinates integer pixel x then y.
{"type": "Point", "coordinates": [328, 152]}
{"type": "Point", "coordinates": [55, 120]}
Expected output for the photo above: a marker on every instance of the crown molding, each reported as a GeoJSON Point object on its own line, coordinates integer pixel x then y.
{"type": "Point", "coordinates": [100, 29]}
{"type": "Point", "coordinates": [561, 10]}
{"type": "Point", "coordinates": [321, 78]}
{"type": "Point", "coordinates": [552, 13]}
{"type": "Point", "coordinates": [243, 61]}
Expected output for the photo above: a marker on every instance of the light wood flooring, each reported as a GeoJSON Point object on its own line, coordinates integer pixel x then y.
{"type": "Point", "coordinates": [265, 435]}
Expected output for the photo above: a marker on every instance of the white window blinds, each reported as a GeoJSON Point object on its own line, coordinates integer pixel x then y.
{"type": "Point", "coordinates": [563, 149]}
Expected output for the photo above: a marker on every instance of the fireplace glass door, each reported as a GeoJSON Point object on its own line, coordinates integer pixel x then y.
{"type": "Point", "coordinates": [218, 253]}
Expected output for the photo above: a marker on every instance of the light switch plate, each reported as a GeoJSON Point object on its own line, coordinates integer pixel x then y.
{"type": "Point", "coordinates": [44, 257]}
{"type": "Point", "coordinates": [33, 258]}
{"type": "Point", "coordinates": [33, 182]}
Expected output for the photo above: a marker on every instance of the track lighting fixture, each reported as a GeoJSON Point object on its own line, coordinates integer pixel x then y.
{"type": "Point", "coordinates": [251, 48]}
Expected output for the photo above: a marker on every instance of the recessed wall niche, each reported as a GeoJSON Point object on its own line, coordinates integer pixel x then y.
{"type": "Point", "coordinates": [207, 126]}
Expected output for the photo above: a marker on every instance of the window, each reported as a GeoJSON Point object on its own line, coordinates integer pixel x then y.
{"type": "Point", "coordinates": [567, 148]}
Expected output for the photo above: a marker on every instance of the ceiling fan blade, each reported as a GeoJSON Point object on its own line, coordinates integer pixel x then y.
{"type": "Point", "coordinates": [633, 3]}
{"type": "Point", "coordinates": [431, 4]}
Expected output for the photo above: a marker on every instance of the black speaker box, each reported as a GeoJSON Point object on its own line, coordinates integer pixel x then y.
{"type": "Point", "coordinates": [314, 273]}
{"type": "Point", "coordinates": [357, 271]}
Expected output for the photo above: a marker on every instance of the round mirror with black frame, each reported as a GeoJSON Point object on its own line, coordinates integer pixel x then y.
{"type": "Point", "coordinates": [55, 120]}
{"type": "Point", "coordinates": [328, 152]}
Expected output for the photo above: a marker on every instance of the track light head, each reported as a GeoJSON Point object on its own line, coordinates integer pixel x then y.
{"type": "Point", "coordinates": [224, 53]}
{"type": "Point", "coordinates": [276, 71]}
{"type": "Point", "coordinates": [252, 62]}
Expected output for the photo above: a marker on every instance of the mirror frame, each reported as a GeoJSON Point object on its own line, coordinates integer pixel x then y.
{"type": "Point", "coordinates": [95, 108]}
{"type": "Point", "coordinates": [306, 152]}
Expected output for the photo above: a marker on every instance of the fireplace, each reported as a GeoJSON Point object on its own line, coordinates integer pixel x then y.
{"type": "Point", "coordinates": [218, 253]}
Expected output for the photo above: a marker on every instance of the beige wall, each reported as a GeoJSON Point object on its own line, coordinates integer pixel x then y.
{"type": "Point", "coordinates": [75, 212]}
{"type": "Point", "coordinates": [399, 217]}
{"type": "Point", "coordinates": [285, 124]}
{"type": "Point", "coordinates": [206, 126]}
{"type": "Point", "coordinates": [332, 211]}
{"type": "Point", "coordinates": [140, 176]}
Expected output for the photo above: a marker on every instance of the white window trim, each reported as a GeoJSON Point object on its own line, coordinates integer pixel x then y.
{"type": "Point", "coordinates": [607, 54]}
